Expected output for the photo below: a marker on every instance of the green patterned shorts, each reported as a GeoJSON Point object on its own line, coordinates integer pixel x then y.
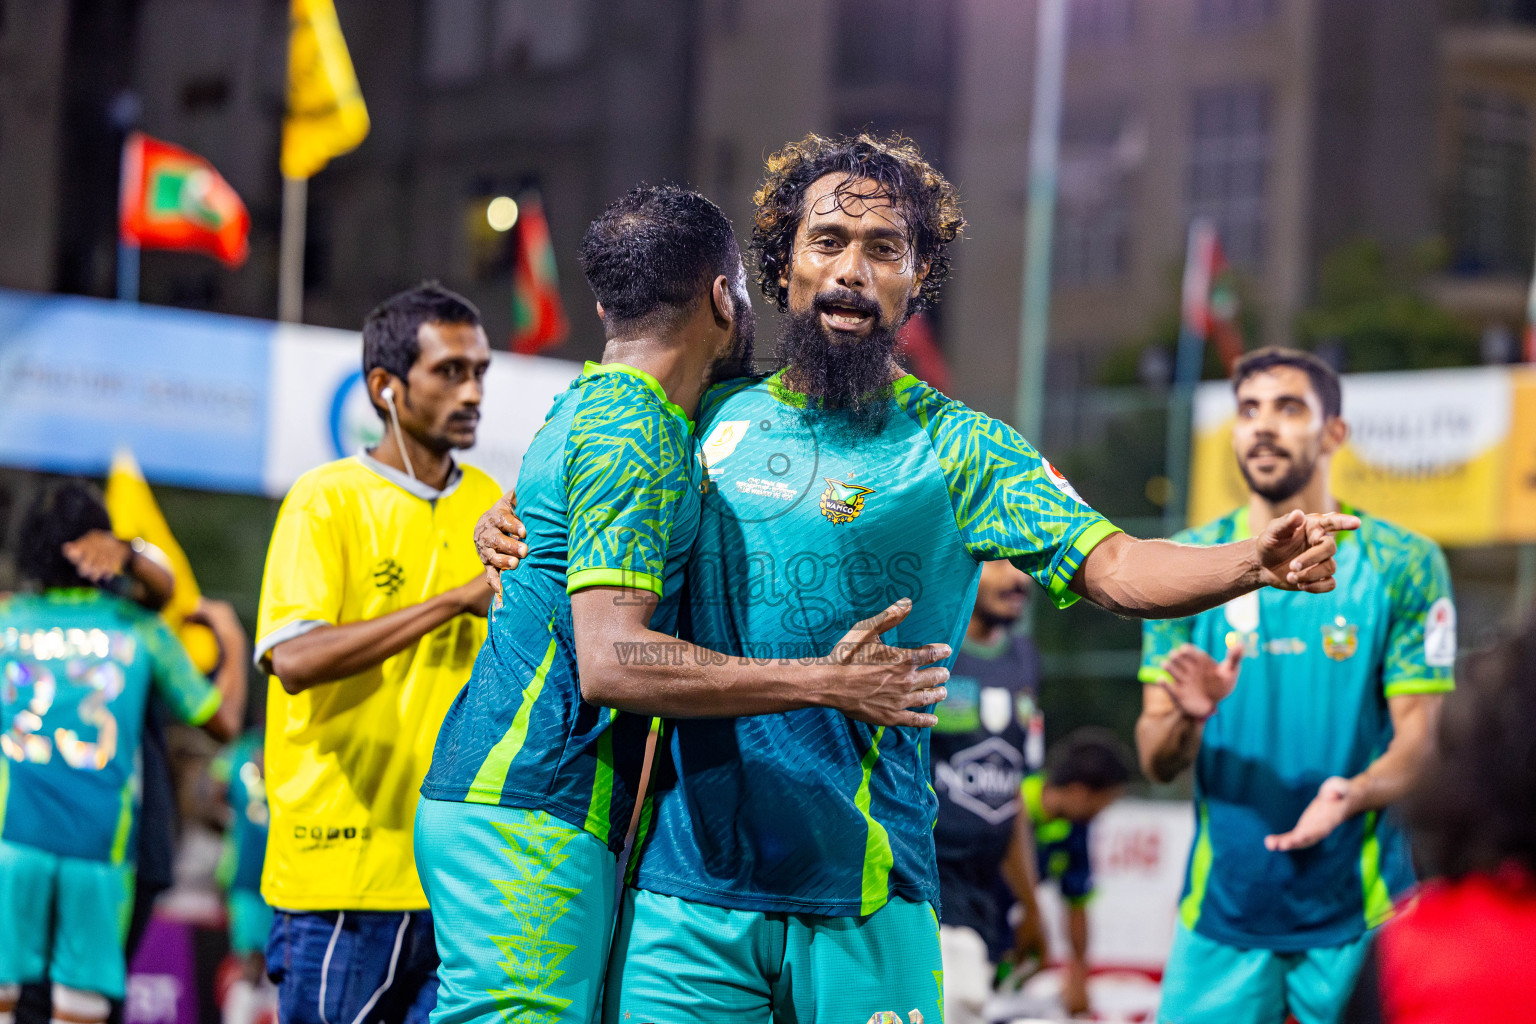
{"type": "Point", "coordinates": [522, 904]}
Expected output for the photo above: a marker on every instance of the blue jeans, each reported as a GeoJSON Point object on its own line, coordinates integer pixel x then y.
{"type": "Point", "coordinates": [353, 966]}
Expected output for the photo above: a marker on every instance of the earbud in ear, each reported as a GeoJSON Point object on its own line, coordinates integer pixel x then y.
{"type": "Point", "coordinates": [388, 394]}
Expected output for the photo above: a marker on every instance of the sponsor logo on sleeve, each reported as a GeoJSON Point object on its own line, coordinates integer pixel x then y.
{"type": "Point", "coordinates": [1054, 476]}
{"type": "Point", "coordinates": [1440, 634]}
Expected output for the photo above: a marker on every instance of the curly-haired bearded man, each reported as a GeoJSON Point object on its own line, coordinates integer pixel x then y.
{"type": "Point", "coordinates": [786, 868]}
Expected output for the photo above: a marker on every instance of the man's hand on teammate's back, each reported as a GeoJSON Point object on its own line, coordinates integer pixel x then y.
{"type": "Point", "coordinates": [1296, 550]}
{"type": "Point", "coordinates": [877, 684]}
{"type": "Point", "coordinates": [1197, 682]}
{"type": "Point", "coordinates": [498, 539]}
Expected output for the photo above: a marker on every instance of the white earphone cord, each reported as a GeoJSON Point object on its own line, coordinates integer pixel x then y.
{"type": "Point", "coordinates": [394, 419]}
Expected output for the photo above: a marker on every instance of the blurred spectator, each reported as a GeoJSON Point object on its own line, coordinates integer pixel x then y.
{"type": "Point", "coordinates": [78, 665]}
{"type": "Point", "coordinates": [1085, 773]}
{"type": "Point", "coordinates": [1465, 948]}
{"type": "Point", "coordinates": [988, 738]}
{"type": "Point", "coordinates": [240, 771]}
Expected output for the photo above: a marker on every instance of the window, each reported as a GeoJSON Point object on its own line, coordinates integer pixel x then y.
{"type": "Point", "coordinates": [875, 42]}
{"type": "Point", "coordinates": [467, 38]}
{"type": "Point", "coordinates": [1099, 152]}
{"type": "Point", "coordinates": [1100, 22]}
{"type": "Point", "coordinates": [1490, 207]}
{"type": "Point", "coordinates": [538, 35]}
{"type": "Point", "coordinates": [1523, 11]}
{"type": "Point", "coordinates": [455, 43]}
{"type": "Point", "coordinates": [1229, 166]}
{"type": "Point", "coordinates": [1227, 15]}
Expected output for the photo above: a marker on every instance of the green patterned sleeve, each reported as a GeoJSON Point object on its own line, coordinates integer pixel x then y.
{"type": "Point", "coordinates": [626, 466]}
{"type": "Point", "coordinates": [1010, 502]}
{"type": "Point", "coordinates": [1421, 638]}
{"type": "Point", "coordinates": [1160, 638]}
{"type": "Point", "coordinates": [185, 690]}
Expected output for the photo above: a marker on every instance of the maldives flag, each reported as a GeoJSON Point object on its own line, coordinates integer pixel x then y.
{"type": "Point", "coordinates": [1210, 294]}
{"type": "Point", "coordinates": [173, 199]}
{"type": "Point", "coordinates": [538, 318]}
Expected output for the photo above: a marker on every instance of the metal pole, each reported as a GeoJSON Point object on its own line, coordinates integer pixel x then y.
{"type": "Point", "coordinates": [290, 267]}
{"type": "Point", "coordinates": [1044, 148]}
{"type": "Point", "coordinates": [1181, 397]}
{"type": "Point", "coordinates": [127, 271]}
{"type": "Point", "coordinates": [1525, 581]}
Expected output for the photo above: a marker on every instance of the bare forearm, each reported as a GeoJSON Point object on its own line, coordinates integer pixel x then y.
{"type": "Point", "coordinates": [1162, 580]}
{"type": "Point", "coordinates": [329, 653]}
{"type": "Point", "coordinates": [650, 673]}
{"type": "Point", "coordinates": [231, 683]}
{"type": "Point", "coordinates": [1389, 778]}
{"type": "Point", "coordinates": [1167, 742]}
{"type": "Point", "coordinates": [149, 583]}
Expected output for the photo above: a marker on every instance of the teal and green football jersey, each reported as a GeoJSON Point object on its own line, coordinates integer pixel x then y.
{"type": "Point", "coordinates": [809, 525]}
{"type": "Point", "coordinates": [240, 766]}
{"type": "Point", "coordinates": [609, 495]}
{"type": "Point", "coordinates": [76, 669]}
{"type": "Point", "coordinates": [1310, 703]}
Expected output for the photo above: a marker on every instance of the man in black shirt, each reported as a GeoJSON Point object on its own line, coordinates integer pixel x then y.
{"type": "Point", "coordinates": [989, 737]}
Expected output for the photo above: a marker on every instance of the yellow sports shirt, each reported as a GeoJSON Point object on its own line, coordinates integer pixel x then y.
{"type": "Point", "coordinates": [355, 540]}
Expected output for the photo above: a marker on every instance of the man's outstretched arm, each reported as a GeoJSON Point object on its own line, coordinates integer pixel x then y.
{"type": "Point", "coordinates": [1158, 579]}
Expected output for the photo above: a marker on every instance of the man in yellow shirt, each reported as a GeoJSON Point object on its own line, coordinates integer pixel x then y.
{"type": "Point", "coordinates": [372, 612]}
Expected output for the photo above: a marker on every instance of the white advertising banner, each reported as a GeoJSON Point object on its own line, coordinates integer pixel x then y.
{"type": "Point", "coordinates": [318, 409]}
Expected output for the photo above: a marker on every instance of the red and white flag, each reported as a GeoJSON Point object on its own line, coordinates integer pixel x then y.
{"type": "Point", "coordinates": [1210, 308]}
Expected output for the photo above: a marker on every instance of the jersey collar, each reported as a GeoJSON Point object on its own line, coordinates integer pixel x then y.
{"type": "Point", "coordinates": [799, 399]}
{"type": "Point", "coordinates": [592, 369]}
{"type": "Point", "coordinates": [985, 650]}
{"type": "Point", "coordinates": [410, 484]}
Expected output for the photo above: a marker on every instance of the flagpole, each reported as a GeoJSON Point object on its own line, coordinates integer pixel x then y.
{"type": "Point", "coordinates": [1181, 400]}
{"type": "Point", "coordinates": [290, 267]}
{"type": "Point", "coordinates": [1044, 149]}
{"type": "Point", "coordinates": [127, 252]}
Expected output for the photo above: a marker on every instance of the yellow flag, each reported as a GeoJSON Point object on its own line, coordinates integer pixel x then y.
{"type": "Point", "coordinates": [135, 513]}
{"type": "Point", "coordinates": [326, 115]}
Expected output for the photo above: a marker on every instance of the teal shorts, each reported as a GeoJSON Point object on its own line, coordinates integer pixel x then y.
{"type": "Point", "coordinates": [66, 920]}
{"type": "Point", "coordinates": [680, 962]}
{"type": "Point", "coordinates": [1208, 982]}
{"type": "Point", "coordinates": [522, 905]}
{"type": "Point", "coordinates": [250, 922]}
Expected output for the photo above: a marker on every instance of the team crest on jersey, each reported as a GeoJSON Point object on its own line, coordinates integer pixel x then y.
{"type": "Point", "coordinates": [1340, 639]}
{"type": "Point", "coordinates": [722, 441]}
{"type": "Point", "coordinates": [842, 503]}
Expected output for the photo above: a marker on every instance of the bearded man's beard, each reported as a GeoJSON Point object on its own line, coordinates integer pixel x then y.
{"type": "Point", "coordinates": [850, 376]}
{"type": "Point", "coordinates": [1285, 488]}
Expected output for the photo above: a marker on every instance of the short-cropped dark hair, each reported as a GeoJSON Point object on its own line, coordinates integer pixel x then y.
{"type": "Point", "coordinates": [653, 251]}
{"type": "Point", "coordinates": [65, 511]}
{"type": "Point", "coordinates": [1324, 378]}
{"type": "Point", "coordinates": [1471, 810]}
{"type": "Point", "coordinates": [1094, 757]}
{"type": "Point", "coordinates": [390, 334]}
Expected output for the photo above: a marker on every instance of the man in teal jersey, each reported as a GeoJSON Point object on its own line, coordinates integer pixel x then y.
{"type": "Point", "coordinates": [1294, 861]}
{"type": "Point", "coordinates": [76, 668]}
{"type": "Point", "coordinates": [534, 776]}
{"type": "Point", "coordinates": [787, 866]}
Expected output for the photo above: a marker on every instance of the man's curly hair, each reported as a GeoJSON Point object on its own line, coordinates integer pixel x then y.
{"type": "Point", "coordinates": [924, 197]}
